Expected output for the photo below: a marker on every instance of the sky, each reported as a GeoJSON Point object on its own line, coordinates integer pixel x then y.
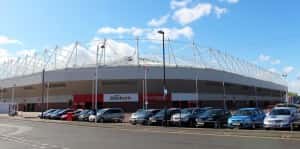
{"type": "Point", "coordinates": [264, 32]}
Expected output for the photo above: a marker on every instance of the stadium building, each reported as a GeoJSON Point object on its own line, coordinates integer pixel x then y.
{"type": "Point", "coordinates": [131, 77]}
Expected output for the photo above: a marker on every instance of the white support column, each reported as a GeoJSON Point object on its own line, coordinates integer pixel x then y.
{"type": "Point", "coordinates": [137, 51]}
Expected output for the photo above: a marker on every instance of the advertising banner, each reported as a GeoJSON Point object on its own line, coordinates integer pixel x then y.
{"type": "Point", "coordinates": [131, 97]}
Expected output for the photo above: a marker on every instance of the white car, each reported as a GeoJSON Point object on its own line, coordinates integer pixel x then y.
{"type": "Point", "coordinates": [280, 117]}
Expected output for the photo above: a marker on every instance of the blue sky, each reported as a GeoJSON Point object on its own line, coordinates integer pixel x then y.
{"type": "Point", "coordinates": [265, 32]}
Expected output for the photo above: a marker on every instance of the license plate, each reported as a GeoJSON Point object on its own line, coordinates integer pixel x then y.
{"type": "Point", "coordinates": [153, 121]}
{"type": "Point", "coordinates": [236, 124]}
{"type": "Point", "coordinates": [200, 123]}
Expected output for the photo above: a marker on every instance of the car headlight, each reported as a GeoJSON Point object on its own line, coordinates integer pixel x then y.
{"type": "Point", "coordinates": [286, 121]}
{"type": "Point", "coordinates": [210, 119]}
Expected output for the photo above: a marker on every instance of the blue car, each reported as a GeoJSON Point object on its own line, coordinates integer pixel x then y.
{"type": "Point", "coordinates": [247, 118]}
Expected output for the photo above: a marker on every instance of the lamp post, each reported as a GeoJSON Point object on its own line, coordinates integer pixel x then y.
{"type": "Point", "coordinates": [165, 91]}
{"type": "Point", "coordinates": [96, 84]}
{"type": "Point", "coordinates": [286, 91]}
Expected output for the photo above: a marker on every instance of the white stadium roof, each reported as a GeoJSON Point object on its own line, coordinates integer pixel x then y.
{"type": "Point", "coordinates": [126, 52]}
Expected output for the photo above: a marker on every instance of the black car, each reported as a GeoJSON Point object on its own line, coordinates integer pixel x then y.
{"type": "Point", "coordinates": [142, 116]}
{"type": "Point", "coordinates": [57, 115]}
{"type": "Point", "coordinates": [187, 116]}
{"type": "Point", "coordinates": [44, 114]}
{"type": "Point", "coordinates": [84, 115]}
{"type": "Point", "coordinates": [214, 118]}
{"type": "Point", "coordinates": [164, 114]}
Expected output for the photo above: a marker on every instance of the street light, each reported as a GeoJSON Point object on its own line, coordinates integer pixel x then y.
{"type": "Point", "coordinates": [165, 91]}
{"type": "Point", "coordinates": [286, 91]}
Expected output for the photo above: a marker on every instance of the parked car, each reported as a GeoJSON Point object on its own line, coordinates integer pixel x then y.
{"type": "Point", "coordinates": [247, 118]}
{"type": "Point", "coordinates": [187, 116]}
{"type": "Point", "coordinates": [51, 114]}
{"type": "Point", "coordinates": [296, 123]}
{"type": "Point", "coordinates": [57, 115]}
{"type": "Point", "coordinates": [142, 116]}
{"type": "Point", "coordinates": [92, 117]}
{"type": "Point", "coordinates": [164, 114]}
{"type": "Point", "coordinates": [45, 113]}
{"type": "Point", "coordinates": [77, 113]}
{"type": "Point", "coordinates": [213, 117]}
{"type": "Point", "coordinates": [84, 115]}
{"type": "Point", "coordinates": [280, 117]}
{"type": "Point", "coordinates": [110, 115]}
{"type": "Point", "coordinates": [73, 113]}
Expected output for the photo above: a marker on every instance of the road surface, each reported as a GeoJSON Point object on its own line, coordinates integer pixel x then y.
{"type": "Point", "coordinates": [18, 134]}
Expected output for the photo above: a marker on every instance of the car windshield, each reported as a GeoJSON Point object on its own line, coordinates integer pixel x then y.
{"type": "Point", "coordinates": [142, 113]}
{"type": "Point", "coordinates": [280, 112]}
{"type": "Point", "coordinates": [243, 113]}
{"type": "Point", "coordinates": [84, 111]}
{"type": "Point", "coordinates": [201, 111]}
{"type": "Point", "coordinates": [49, 111]}
{"type": "Point", "coordinates": [92, 112]}
{"type": "Point", "coordinates": [57, 111]}
{"type": "Point", "coordinates": [210, 112]}
{"type": "Point", "coordinates": [161, 112]}
{"type": "Point", "coordinates": [186, 111]}
{"type": "Point", "coordinates": [101, 111]}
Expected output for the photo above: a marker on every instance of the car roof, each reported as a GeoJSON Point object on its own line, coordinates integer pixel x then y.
{"type": "Point", "coordinates": [248, 109]}
{"type": "Point", "coordinates": [288, 108]}
{"type": "Point", "coordinates": [217, 109]}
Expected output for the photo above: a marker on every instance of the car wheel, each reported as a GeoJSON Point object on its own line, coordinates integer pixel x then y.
{"type": "Point", "coordinates": [191, 124]}
{"type": "Point", "coordinates": [101, 120]}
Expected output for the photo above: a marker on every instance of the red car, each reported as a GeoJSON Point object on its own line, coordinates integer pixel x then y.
{"type": "Point", "coordinates": [65, 116]}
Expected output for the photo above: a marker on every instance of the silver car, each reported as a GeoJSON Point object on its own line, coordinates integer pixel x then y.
{"type": "Point", "coordinates": [110, 115]}
{"type": "Point", "coordinates": [280, 117]}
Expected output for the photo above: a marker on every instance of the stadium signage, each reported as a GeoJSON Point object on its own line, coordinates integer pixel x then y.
{"type": "Point", "coordinates": [132, 97]}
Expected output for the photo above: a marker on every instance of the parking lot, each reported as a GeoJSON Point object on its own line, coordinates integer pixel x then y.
{"type": "Point", "coordinates": [29, 133]}
{"type": "Point", "coordinates": [280, 117]}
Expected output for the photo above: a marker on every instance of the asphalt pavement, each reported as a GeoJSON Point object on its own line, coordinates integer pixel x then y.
{"type": "Point", "coordinates": [19, 134]}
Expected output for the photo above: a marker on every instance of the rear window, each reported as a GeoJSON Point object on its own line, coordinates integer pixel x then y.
{"type": "Point", "coordinates": [280, 112]}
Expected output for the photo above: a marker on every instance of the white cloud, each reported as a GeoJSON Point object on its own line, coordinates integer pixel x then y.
{"type": "Point", "coordinates": [6, 40]}
{"type": "Point", "coordinates": [274, 70]}
{"type": "Point", "coordinates": [121, 30]}
{"type": "Point", "coordinates": [294, 86]}
{"type": "Point", "coordinates": [187, 15]}
{"type": "Point", "coordinates": [179, 3]}
{"type": "Point", "coordinates": [230, 1]}
{"type": "Point", "coordinates": [264, 58]}
{"type": "Point", "coordinates": [233, 1]}
{"type": "Point", "coordinates": [172, 33]}
{"type": "Point", "coordinates": [116, 52]}
{"type": "Point", "coordinates": [220, 11]}
{"type": "Point", "coordinates": [29, 52]}
{"type": "Point", "coordinates": [275, 62]}
{"type": "Point", "coordinates": [158, 22]}
{"type": "Point", "coordinates": [288, 69]}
